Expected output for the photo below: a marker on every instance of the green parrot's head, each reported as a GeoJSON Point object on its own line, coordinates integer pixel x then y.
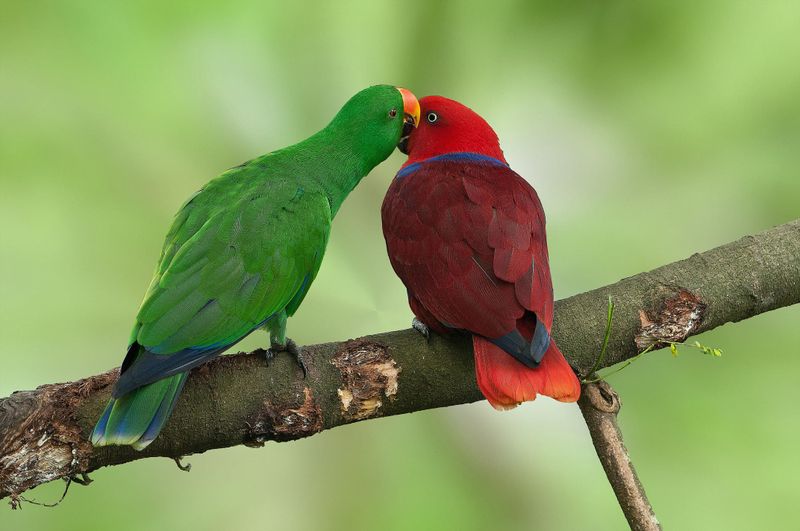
{"type": "Point", "coordinates": [375, 120]}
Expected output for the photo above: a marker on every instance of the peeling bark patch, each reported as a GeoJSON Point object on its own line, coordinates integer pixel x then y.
{"type": "Point", "coordinates": [369, 375]}
{"type": "Point", "coordinates": [678, 318]}
{"type": "Point", "coordinates": [285, 423]}
{"type": "Point", "coordinates": [40, 439]}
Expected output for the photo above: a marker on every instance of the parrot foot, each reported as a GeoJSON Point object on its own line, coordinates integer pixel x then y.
{"type": "Point", "coordinates": [421, 327]}
{"type": "Point", "coordinates": [290, 347]}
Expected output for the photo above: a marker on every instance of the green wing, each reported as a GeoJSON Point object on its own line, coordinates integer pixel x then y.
{"type": "Point", "coordinates": [238, 253]}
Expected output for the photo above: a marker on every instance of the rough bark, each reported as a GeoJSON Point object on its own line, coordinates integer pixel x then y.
{"type": "Point", "coordinates": [238, 399]}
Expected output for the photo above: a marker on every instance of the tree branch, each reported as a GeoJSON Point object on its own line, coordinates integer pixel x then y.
{"type": "Point", "coordinates": [238, 399]}
{"type": "Point", "coordinates": [600, 405]}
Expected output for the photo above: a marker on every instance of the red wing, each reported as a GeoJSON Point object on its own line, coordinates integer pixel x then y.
{"type": "Point", "coordinates": [467, 239]}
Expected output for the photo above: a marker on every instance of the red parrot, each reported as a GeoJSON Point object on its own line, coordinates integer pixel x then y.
{"type": "Point", "coordinates": [466, 235]}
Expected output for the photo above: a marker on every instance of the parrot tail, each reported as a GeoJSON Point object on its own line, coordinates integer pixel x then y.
{"type": "Point", "coordinates": [136, 418]}
{"type": "Point", "coordinates": [506, 383]}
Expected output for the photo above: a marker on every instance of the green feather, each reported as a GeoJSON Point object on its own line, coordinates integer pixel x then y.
{"type": "Point", "coordinates": [246, 248]}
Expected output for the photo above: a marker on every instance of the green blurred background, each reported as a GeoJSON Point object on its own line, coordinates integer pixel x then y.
{"type": "Point", "coordinates": [651, 131]}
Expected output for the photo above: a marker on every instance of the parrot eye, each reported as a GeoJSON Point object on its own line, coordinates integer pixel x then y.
{"type": "Point", "coordinates": [432, 117]}
{"type": "Point", "coordinates": [392, 113]}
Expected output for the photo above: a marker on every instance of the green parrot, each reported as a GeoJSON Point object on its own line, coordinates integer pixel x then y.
{"type": "Point", "coordinates": [241, 255]}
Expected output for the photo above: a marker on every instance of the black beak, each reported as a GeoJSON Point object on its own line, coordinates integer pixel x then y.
{"type": "Point", "coordinates": [408, 126]}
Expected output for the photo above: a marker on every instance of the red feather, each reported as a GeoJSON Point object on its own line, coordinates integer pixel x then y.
{"type": "Point", "coordinates": [506, 383]}
{"type": "Point", "coordinates": [466, 235]}
{"type": "Point", "coordinates": [467, 239]}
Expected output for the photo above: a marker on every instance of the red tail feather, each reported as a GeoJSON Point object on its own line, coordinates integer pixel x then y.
{"type": "Point", "coordinates": [506, 383]}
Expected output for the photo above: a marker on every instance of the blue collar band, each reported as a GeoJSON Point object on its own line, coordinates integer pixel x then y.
{"type": "Point", "coordinates": [465, 156]}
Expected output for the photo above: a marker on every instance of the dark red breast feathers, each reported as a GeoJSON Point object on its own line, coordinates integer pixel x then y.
{"type": "Point", "coordinates": [466, 235]}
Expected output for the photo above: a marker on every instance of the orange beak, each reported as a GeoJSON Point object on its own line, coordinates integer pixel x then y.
{"type": "Point", "coordinates": [410, 106]}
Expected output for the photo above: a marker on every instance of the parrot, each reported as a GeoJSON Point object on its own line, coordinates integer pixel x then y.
{"type": "Point", "coordinates": [466, 235]}
{"type": "Point", "coordinates": [241, 255]}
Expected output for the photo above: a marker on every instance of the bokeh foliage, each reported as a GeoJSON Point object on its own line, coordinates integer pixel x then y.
{"type": "Point", "coordinates": [651, 130]}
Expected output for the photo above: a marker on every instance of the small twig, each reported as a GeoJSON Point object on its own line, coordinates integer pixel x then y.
{"type": "Point", "coordinates": [186, 468]}
{"type": "Point", "coordinates": [673, 347]}
{"type": "Point", "coordinates": [600, 405]}
{"type": "Point", "coordinates": [594, 378]}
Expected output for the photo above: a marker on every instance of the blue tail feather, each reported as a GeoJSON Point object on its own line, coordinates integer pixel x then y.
{"type": "Point", "coordinates": [136, 418]}
{"type": "Point", "coordinates": [163, 413]}
{"type": "Point", "coordinates": [529, 353]}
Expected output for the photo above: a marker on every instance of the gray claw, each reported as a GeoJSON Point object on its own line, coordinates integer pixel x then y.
{"type": "Point", "coordinates": [295, 350]}
{"type": "Point", "coordinates": [421, 327]}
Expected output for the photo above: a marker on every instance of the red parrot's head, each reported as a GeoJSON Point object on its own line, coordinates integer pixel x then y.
{"type": "Point", "coordinates": [447, 126]}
